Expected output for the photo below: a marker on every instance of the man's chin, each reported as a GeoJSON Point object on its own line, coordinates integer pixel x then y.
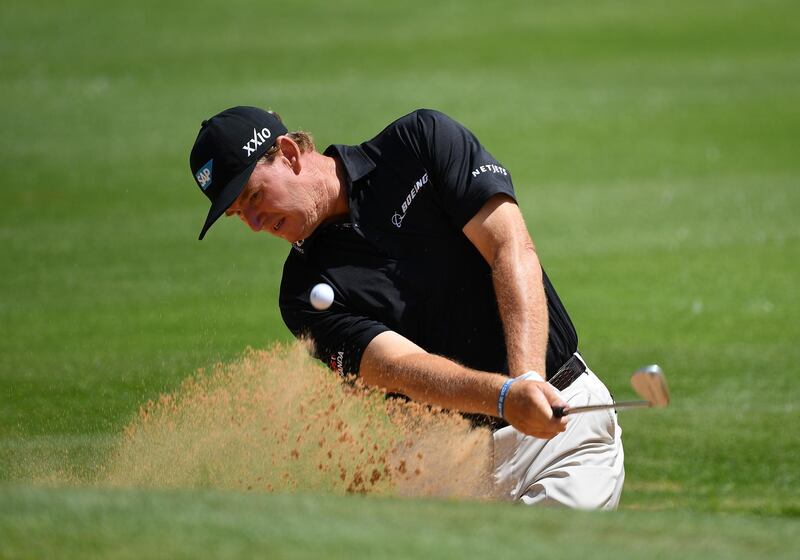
{"type": "Point", "coordinates": [296, 236]}
{"type": "Point", "coordinates": [280, 234]}
{"type": "Point", "coordinates": [291, 238]}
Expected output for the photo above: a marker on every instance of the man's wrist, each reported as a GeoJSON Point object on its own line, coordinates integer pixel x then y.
{"type": "Point", "coordinates": [532, 375]}
{"type": "Point", "coordinates": [501, 398]}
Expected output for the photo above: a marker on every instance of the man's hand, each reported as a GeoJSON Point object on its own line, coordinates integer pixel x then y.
{"type": "Point", "coordinates": [529, 409]}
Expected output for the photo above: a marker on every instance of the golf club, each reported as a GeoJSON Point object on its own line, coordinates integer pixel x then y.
{"type": "Point", "coordinates": [648, 382]}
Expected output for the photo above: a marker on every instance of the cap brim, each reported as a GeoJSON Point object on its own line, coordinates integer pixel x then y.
{"type": "Point", "coordinates": [225, 198]}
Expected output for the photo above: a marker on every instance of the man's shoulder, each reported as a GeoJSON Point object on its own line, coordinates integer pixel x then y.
{"type": "Point", "coordinates": [418, 121]}
{"type": "Point", "coordinates": [423, 115]}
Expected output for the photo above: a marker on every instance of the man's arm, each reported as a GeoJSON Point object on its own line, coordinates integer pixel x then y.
{"type": "Point", "coordinates": [498, 231]}
{"type": "Point", "coordinates": [396, 364]}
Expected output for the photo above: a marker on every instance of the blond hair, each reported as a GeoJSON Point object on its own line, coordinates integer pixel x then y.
{"type": "Point", "coordinates": [303, 139]}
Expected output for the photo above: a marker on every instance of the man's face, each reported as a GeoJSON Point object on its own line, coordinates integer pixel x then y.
{"type": "Point", "coordinates": [278, 199]}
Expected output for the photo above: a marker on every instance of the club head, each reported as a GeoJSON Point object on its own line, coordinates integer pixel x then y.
{"type": "Point", "coordinates": [651, 385]}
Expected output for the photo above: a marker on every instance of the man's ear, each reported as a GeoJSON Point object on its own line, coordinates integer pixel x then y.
{"type": "Point", "coordinates": [291, 151]}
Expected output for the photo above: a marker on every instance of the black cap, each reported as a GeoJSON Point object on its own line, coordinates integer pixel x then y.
{"type": "Point", "coordinates": [226, 151]}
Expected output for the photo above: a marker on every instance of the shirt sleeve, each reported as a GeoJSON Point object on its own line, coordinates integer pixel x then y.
{"type": "Point", "coordinates": [338, 337]}
{"type": "Point", "coordinates": [464, 174]}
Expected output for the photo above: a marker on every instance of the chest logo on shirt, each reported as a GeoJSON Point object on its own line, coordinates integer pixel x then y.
{"type": "Point", "coordinates": [397, 217]}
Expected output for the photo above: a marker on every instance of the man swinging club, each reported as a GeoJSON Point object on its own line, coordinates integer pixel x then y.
{"type": "Point", "coordinates": [438, 293]}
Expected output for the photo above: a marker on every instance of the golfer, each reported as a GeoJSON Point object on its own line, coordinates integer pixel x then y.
{"type": "Point", "coordinates": [439, 294]}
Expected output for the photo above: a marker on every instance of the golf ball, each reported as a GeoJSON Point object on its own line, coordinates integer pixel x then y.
{"type": "Point", "coordinates": [321, 296]}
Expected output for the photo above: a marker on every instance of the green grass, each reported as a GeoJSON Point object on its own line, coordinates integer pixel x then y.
{"type": "Point", "coordinates": [654, 150]}
{"type": "Point", "coordinates": [42, 523]}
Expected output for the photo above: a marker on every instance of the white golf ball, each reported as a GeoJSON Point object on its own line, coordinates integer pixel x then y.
{"type": "Point", "coordinates": [321, 297]}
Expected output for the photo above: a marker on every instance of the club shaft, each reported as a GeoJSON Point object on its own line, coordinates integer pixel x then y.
{"type": "Point", "coordinates": [560, 411]}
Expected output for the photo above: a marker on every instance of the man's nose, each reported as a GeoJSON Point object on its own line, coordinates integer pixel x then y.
{"type": "Point", "coordinates": [251, 219]}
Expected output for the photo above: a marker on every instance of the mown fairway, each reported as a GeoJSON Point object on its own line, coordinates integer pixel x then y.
{"type": "Point", "coordinates": [654, 148]}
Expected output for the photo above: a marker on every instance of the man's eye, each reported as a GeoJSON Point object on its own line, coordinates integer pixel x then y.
{"type": "Point", "coordinates": [255, 197]}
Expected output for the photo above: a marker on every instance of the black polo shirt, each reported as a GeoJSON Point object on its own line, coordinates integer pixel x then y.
{"type": "Point", "coordinates": [402, 262]}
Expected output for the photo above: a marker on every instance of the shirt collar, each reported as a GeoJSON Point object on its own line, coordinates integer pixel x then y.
{"type": "Point", "coordinates": [355, 161]}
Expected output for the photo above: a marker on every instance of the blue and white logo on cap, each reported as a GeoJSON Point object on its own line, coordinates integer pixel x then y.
{"type": "Point", "coordinates": [203, 175]}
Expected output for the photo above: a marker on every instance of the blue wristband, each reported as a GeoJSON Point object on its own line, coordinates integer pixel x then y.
{"type": "Point", "coordinates": [501, 400]}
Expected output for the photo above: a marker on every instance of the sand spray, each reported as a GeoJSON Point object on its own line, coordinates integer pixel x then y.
{"type": "Point", "coordinates": [276, 420]}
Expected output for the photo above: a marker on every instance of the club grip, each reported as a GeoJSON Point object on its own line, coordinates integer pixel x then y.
{"type": "Point", "coordinates": [559, 412]}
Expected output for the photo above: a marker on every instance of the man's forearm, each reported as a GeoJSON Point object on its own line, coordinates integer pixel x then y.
{"type": "Point", "coordinates": [396, 364]}
{"type": "Point", "coordinates": [435, 380]}
{"type": "Point", "coordinates": [517, 277]}
{"type": "Point", "coordinates": [498, 231]}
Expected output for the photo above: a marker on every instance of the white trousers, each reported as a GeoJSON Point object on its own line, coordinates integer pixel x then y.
{"type": "Point", "coordinates": [579, 468]}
